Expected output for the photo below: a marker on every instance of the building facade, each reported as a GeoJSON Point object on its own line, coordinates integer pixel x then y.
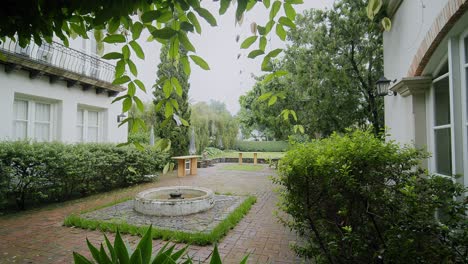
{"type": "Point", "coordinates": [426, 52]}
{"type": "Point", "coordinates": [57, 93]}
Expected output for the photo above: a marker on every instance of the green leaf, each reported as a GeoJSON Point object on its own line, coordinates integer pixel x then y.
{"type": "Point", "coordinates": [191, 16]}
{"type": "Point", "coordinates": [131, 89]}
{"type": "Point", "coordinates": [150, 16]}
{"type": "Point", "coordinates": [266, 3]}
{"type": "Point", "coordinates": [79, 259]}
{"type": "Point", "coordinates": [265, 96]}
{"type": "Point", "coordinates": [174, 48]}
{"type": "Point", "coordinates": [132, 67]}
{"type": "Point", "coordinates": [272, 100]}
{"type": "Point", "coordinates": [186, 65]}
{"type": "Point", "coordinates": [121, 249]}
{"type": "Point", "coordinates": [255, 53]}
{"type": "Point", "coordinates": [179, 253]}
{"type": "Point", "coordinates": [387, 23]}
{"type": "Point", "coordinates": [263, 43]}
{"type": "Point", "coordinates": [103, 256]}
{"type": "Point", "coordinates": [169, 110]}
{"type": "Point", "coordinates": [266, 65]}
{"type": "Point", "coordinates": [241, 7]}
{"type": "Point", "coordinates": [200, 62]}
{"type": "Point", "coordinates": [207, 16]}
{"type": "Point", "coordinates": [116, 38]}
{"type": "Point", "coordinates": [280, 32]}
{"type": "Point", "coordinates": [119, 68]}
{"type": "Point", "coordinates": [175, 104]}
{"type": "Point", "coordinates": [136, 257]}
{"type": "Point", "coordinates": [111, 249]}
{"type": "Point", "coordinates": [215, 257]}
{"type": "Point", "coordinates": [184, 122]}
{"type": "Point", "coordinates": [167, 88]}
{"type": "Point", "coordinates": [79, 29]}
{"type": "Point", "coordinates": [186, 26]}
{"type": "Point", "coordinates": [112, 56]}
{"type": "Point", "coordinates": [248, 42]}
{"type": "Point", "coordinates": [244, 260]}
{"type": "Point", "coordinates": [295, 2]}
{"type": "Point", "coordinates": [140, 84]}
{"type": "Point", "coordinates": [137, 27]}
{"type": "Point", "coordinates": [176, 85]}
{"type": "Point", "coordinates": [113, 25]}
{"type": "Point", "coordinates": [275, 8]}
{"type": "Point", "coordinates": [224, 6]}
{"type": "Point", "coordinates": [94, 250]}
{"type": "Point", "coordinates": [165, 33]}
{"type": "Point", "coordinates": [121, 80]}
{"type": "Point", "coordinates": [127, 104]}
{"type": "Point", "coordinates": [274, 53]}
{"type": "Point", "coordinates": [286, 22]}
{"type": "Point", "coordinates": [137, 48]}
{"type": "Point", "coordinates": [186, 42]}
{"type": "Point", "coordinates": [373, 8]}
{"type": "Point", "coordinates": [289, 11]}
{"type": "Point", "coordinates": [139, 104]}
{"type": "Point", "coordinates": [269, 26]}
{"type": "Point", "coordinates": [166, 168]}
{"type": "Point", "coordinates": [126, 52]}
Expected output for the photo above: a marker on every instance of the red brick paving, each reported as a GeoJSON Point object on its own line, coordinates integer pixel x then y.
{"type": "Point", "coordinates": [37, 236]}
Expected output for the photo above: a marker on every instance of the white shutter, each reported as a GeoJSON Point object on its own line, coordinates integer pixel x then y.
{"type": "Point", "coordinates": [42, 122]}
{"type": "Point", "coordinates": [79, 125]}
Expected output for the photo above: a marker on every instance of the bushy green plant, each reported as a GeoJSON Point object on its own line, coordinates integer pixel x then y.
{"type": "Point", "coordinates": [32, 173]}
{"type": "Point", "coordinates": [212, 152]}
{"type": "Point", "coordinates": [121, 253]}
{"type": "Point", "coordinates": [261, 146]}
{"type": "Point", "coordinates": [357, 199]}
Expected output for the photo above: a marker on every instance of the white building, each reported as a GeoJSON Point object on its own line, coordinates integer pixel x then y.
{"type": "Point", "coordinates": [58, 93]}
{"type": "Point", "coordinates": [426, 51]}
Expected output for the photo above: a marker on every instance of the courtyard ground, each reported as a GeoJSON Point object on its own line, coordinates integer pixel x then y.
{"type": "Point", "coordinates": [37, 236]}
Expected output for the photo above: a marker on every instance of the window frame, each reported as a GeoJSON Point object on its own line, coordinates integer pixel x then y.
{"type": "Point", "coordinates": [85, 125]}
{"type": "Point", "coordinates": [464, 90]}
{"type": "Point", "coordinates": [31, 121]}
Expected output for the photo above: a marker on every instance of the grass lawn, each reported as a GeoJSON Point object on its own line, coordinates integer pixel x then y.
{"type": "Point", "coordinates": [260, 155]}
{"type": "Point", "coordinates": [243, 167]}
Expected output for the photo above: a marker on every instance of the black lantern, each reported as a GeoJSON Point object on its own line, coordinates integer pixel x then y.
{"type": "Point", "coordinates": [382, 87]}
{"type": "Point", "coordinates": [121, 117]}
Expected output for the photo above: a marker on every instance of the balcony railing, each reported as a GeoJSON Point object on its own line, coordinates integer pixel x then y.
{"type": "Point", "coordinates": [60, 56]}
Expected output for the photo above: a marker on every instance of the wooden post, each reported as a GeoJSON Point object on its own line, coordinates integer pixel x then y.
{"type": "Point", "coordinates": [181, 168]}
{"type": "Point", "coordinates": [255, 158]}
{"type": "Point", "coordinates": [240, 158]}
{"type": "Point", "coordinates": [193, 166]}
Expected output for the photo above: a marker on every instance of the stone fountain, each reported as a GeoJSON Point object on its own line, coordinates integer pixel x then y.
{"type": "Point", "coordinates": [174, 201]}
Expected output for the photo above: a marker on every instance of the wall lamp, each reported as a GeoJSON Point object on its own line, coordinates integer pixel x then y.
{"type": "Point", "coordinates": [383, 85]}
{"type": "Point", "coordinates": [121, 117]}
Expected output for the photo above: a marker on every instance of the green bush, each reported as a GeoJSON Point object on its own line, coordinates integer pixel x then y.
{"type": "Point", "coordinates": [261, 146]}
{"type": "Point", "coordinates": [33, 173]}
{"type": "Point", "coordinates": [357, 199]}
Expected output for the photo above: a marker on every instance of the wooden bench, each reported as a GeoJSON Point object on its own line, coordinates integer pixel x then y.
{"type": "Point", "coordinates": [181, 164]}
{"type": "Point", "coordinates": [255, 158]}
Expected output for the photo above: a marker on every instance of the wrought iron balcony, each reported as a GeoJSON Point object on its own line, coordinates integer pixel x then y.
{"type": "Point", "coordinates": [61, 62]}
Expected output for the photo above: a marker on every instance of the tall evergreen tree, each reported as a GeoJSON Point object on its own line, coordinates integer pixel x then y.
{"type": "Point", "coordinates": [172, 129]}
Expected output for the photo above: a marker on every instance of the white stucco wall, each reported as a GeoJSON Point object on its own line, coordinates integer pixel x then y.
{"type": "Point", "coordinates": [66, 100]}
{"type": "Point", "coordinates": [410, 24]}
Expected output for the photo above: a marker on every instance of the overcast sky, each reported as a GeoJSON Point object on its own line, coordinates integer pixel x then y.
{"type": "Point", "coordinates": [229, 77]}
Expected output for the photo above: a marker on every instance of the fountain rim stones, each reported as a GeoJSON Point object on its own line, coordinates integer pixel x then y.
{"type": "Point", "coordinates": [173, 207]}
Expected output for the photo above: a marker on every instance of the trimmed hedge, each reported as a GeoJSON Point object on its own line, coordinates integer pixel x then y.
{"type": "Point", "coordinates": [262, 146]}
{"type": "Point", "coordinates": [35, 173]}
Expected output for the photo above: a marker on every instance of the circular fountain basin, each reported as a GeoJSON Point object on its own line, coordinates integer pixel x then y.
{"type": "Point", "coordinates": [157, 201]}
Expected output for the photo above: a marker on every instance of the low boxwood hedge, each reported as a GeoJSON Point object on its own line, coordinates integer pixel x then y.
{"type": "Point", "coordinates": [262, 146]}
{"type": "Point", "coordinates": [35, 173]}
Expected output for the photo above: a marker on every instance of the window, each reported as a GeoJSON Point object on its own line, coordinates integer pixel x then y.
{"type": "Point", "coordinates": [32, 119]}
{"type": "Point", "coordinates": [88, 125]}
{"type": "Point", "coordinates": [442, 126]}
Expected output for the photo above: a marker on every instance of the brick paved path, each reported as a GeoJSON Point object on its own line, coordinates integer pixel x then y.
{"type": "Point", "coordinates": [38, 236]}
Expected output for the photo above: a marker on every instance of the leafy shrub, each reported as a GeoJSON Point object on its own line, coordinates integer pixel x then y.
{"type": "Point", "coordinates": [121, 253]}
{"type": "Point", "coordinates": [356, 199]}
{"type": "Point", "coordinates": [262, 146]}
{"type": "Point", "coordinates": [212, 152]}
{"type": "Point", "coordinates": [48, 172]}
